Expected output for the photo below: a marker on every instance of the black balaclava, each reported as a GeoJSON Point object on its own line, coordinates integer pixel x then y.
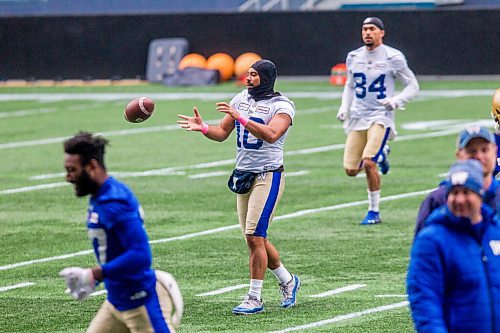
{"type": "Point", "coordinates": [267, 73]}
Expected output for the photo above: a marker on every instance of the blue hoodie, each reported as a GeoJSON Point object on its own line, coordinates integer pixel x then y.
{"type": "Point", "coordinates": [453, 278]}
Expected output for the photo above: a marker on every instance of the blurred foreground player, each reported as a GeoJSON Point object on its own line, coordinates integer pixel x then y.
{"type": "Point", "coordinates": [261, 117]}
{"type": "Point", "coordinates": [368, 105]}
{"type": "Point", "coordinates": [495, 113]}
{"type": "Point", "coordinates": [138, 300]}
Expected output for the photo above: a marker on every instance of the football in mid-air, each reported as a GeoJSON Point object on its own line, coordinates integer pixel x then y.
{"type": "Point", "coordinates": [139, 109]}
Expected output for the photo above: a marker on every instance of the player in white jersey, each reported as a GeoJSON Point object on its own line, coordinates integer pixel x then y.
{"type": "Point", "coordinates": [368, 105]}
{"type": "Point", "coordinates": [261, 118]}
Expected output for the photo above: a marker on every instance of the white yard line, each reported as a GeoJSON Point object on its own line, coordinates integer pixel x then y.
{"type": "Point", "coordinates": [297, 173]}
{"type": "Point", "coordinates": [326, 95]}
{"type": "Point", "coordinates": [37, 261]}
{"type": "Point", "coordinates": [19, 285]}
{"type": "Point", "coordinates": [208, 175]}
{"type": "Point", "coordinates": [157, 172]}
{"type": "Point", "coordinates": [33, 188]}
{"type": "Point", "coordinates": [194, 234]}
{"type": "Point", "coordinates": [241, 286]}
{"type": "Point", "coordinates": [338, 290]}
{"type": "Point", "coordinates": [179, 170]}
{"type": "Point", "coordinates": [344, 317]}
{"type": "Point", "coordinates": [226, 228]}
{"type": "Point", "coordinates": [22, 113]}
{"type": "Point", "coordinates": [47, 141]}
{"type": "Point", "coordinates": [331, 108]}
{"type": "Point", "coordinates": [224, 290]}
{"type": "Point", "coordinates": [206, 96]}
{"type": "Point", "coordinates": [37, 111]}
{"type": "Point", "coordinates": [391, 296]}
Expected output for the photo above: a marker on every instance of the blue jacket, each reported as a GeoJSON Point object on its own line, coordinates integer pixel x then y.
{"type": "Point", "coordinates": [436, 198]}
{"type": "Point", "coordinates": [453, 280]}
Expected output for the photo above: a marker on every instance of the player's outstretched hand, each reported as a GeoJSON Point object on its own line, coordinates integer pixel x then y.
{"type": "Point", "coordinates": [224, 107]}
{"type": "Point", "coordinates": [80, 282]}
{"type": "Point", "coordinates": [391, 104]}
{"type": "Point", "coordinates": [191, 123]}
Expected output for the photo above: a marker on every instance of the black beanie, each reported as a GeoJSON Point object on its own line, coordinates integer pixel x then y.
{"type": "Point", "coordinates": [267, 73]}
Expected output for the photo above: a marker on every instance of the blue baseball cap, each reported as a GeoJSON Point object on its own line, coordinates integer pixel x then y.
{"type": "Point", "coordinates": [467, 173]}
{"type": "Point", "coordinates": [473, 132]}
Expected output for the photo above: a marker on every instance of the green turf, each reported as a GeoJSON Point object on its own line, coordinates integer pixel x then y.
{"type": "Point", "coordinates": [327, 249]}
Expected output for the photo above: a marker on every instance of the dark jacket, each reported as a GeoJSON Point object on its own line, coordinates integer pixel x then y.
{"type": "Point", "coordinates": [453, 279]}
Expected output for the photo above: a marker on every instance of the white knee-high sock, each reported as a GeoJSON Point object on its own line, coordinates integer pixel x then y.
{"type": "Point", "coordinates": [255, 288]}
{"type": "Point", "coordinates": [373, 200]}
{"type": "Point", "coordinates": [282, 274]}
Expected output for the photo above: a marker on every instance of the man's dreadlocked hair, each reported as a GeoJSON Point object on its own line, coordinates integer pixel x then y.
{"type": "Point", "coordinates": [87, 146]}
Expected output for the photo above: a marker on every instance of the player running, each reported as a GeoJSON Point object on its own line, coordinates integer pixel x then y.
{"type": "Point", "coordinates": [368, 105]}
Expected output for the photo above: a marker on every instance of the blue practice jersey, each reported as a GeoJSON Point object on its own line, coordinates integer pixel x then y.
{"type": "Point", "coordinates": [116, 230]}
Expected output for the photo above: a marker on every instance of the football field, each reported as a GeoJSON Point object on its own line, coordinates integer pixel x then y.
{"type": "Point", "coordinates": [353, 277]}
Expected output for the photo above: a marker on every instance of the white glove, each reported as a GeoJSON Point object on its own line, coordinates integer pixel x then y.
{"type": "Point", "coordinates": [80, 282]}
{"type": "Point", "coordinates": [391, 104]}
{"type": "Point", "coordinates": [342, 115]}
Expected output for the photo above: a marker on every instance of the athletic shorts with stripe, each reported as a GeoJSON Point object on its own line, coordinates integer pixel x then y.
{"type": "Point", "coordinates": [364, 144]}
{"type": "Point", "coordinates": [256, 208]}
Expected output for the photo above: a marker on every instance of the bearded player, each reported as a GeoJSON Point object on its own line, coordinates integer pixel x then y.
{"type": "Point", "coordinates": [138, 300]}
{"type": "Point", "coordinates": [368, 107]}
{"type": "Point", "coordinates": [261, 118]}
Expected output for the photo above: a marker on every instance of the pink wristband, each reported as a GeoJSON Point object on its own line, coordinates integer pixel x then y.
{"type": "Point", "coordinates": [243, 120]}
{"type": "Point", "coordinates": [204, 128]}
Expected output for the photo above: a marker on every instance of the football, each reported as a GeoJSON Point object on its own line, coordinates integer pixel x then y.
{"type": "Point", "coordinates": [139, 109]}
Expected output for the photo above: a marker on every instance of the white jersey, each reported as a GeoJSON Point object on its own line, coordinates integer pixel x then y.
{"type": "Point", "coordinates": [371, 78]}
{"type": "Point", "coordinates": [253, 154]}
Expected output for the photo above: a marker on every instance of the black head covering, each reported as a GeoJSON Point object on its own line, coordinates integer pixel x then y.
{"type": "Point", "coordinates": [374, 20]}
{"type": "Point", "coordinates": [267, 73]}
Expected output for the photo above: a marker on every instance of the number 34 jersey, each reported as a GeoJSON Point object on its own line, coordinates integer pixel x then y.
{"type": "Point", "coordinates": [372, 76]}
{"type": "Point", "coordinates": [253, 154]}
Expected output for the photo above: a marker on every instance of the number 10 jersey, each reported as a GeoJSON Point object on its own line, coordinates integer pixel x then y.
{"type": "Point", "coordinates": [253, 154]}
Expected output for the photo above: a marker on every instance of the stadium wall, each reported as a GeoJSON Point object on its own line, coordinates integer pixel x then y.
{"type": "Point", "coordinates": [436, 42]}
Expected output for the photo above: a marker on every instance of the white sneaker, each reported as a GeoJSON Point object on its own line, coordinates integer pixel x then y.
{"type": "Point", "coordinates": [250, 305]}
{"type": "Point", "coordinates": [289, 292]}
